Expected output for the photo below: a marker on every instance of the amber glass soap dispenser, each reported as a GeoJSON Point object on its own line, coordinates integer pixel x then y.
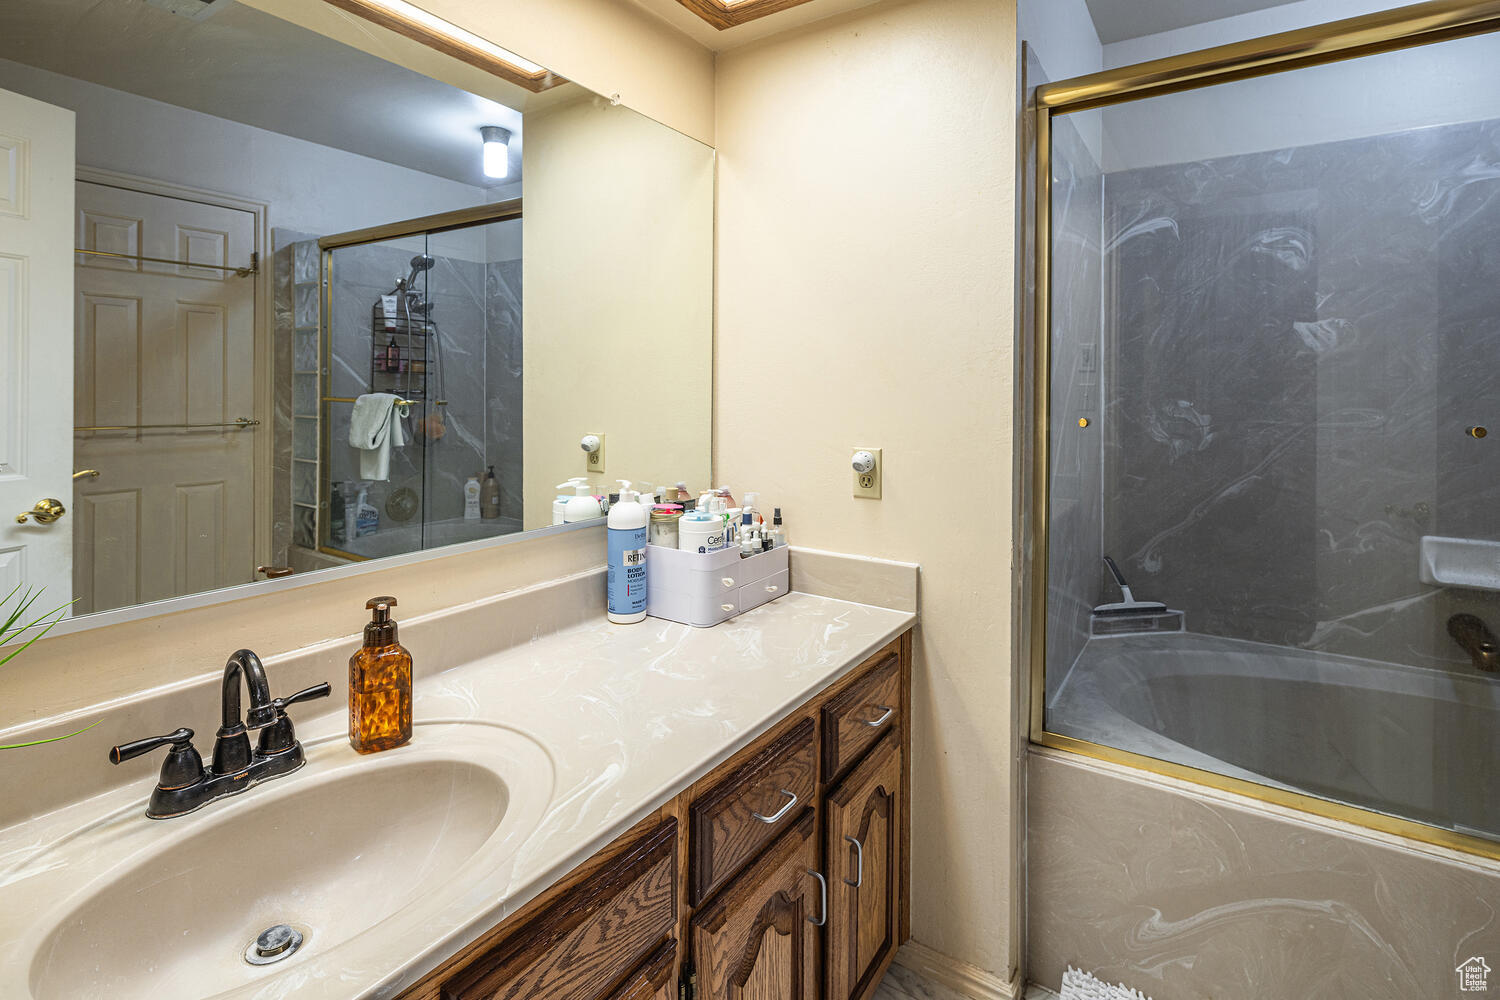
{"type": "Point", "coordinates": [380, 685]}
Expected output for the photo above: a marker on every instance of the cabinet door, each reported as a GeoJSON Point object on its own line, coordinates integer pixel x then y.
{"type": "Point", "coordinates": [757, 940]}
{"type": "Point", "coordinates": [864, 865]}
{"type": "Point", "coordinates": [653, 980]}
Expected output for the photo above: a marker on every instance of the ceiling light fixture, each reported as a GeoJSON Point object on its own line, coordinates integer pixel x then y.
{"type": "Point", "coordinates": [427, 27]}
{"type": "Point", "coordinates": [496, 151]}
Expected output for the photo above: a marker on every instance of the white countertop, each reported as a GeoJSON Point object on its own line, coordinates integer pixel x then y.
{"type": "Point", "coordinates": [629, 715]}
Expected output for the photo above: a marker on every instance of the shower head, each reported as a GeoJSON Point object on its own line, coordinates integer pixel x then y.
{"type": "Point", "coordinates": [421, 262]}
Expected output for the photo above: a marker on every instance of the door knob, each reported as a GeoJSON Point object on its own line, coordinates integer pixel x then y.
{"type": "Point", "coordinates": [45, 512]}
{"type": "Point", "coordinates": [86, 474]}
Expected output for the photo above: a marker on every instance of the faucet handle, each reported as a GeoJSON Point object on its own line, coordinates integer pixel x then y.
{"type": "Point", "coordinates": [183, 765]}
{"type": "Point", "coordinates": [306, 694]}
{"type": "Point", "coordinates": [279, 736]}
{"type": "Point", "coordinates": [181, 739]}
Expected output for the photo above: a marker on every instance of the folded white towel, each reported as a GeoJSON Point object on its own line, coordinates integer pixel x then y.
{"type": "Point", "coordinates": [374, 426]}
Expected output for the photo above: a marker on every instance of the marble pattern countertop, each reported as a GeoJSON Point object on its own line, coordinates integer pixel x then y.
{"type": "Point", "coordinates": [629, 715]}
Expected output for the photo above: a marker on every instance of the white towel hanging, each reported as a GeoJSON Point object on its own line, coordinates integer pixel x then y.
{"type": "Point", "coordinates": [374, 427]}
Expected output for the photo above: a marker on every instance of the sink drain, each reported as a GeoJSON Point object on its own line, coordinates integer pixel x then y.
{"type": "Point", "coordinates": [274, 944]}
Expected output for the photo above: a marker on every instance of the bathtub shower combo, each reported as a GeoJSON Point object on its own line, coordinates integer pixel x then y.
{"type": "Point", "coordinates": [430, 312]}
{"type": "Point", "coordinates": [1269, 313]}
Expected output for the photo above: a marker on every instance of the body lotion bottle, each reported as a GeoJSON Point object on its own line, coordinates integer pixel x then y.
{"type": "Point", "coordinates": [380, 685]}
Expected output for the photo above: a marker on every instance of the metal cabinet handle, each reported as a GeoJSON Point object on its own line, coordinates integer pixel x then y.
{"type": "Point", "coordinates": [778, 814]}
{"type": "Point", "coordinates": [859, 872]}
{"type": "Point", "coordinates": [888, 711]}
{"type": "Point", "coordinates": [823, 892]}
{"type": "Point", "coordinates": [45, 512]}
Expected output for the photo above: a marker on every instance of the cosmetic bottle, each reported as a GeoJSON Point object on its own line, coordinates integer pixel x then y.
{"type": "Point", "coordinates": [700, 531]}
{"type": "Point", "coordinates": [380, 684]}
{"type": "Point", "coordinates": [336, 514]}
{"type": "Point", "coordinates": [664, 518]}
{"type": "Point", "coordinates": [351, 512]}
{"type": "Point", "coordinates": [582, 505]}
{"type": "Point", "coordinates": [366, 518]}
{"type": "Point", "coordinates": [778, 533]}
{"type": "Point", "coordinates": [560, 502]}
{"type": "Point", "coordinates": [627, 558]}
{"type": "Point", "coordinates": [472, 490]}
{"type": "Point", "coordinates": [489, 495]}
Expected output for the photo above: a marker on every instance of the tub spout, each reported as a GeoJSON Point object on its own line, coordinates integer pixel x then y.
{"type": "Point", "coordinates": [1470, 632]}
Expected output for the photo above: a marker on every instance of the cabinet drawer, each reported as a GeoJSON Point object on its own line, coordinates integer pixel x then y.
{"type": "Point", "coordinates": [732, 821]}
{"type": "Point", "coordinates": [866, 711]}
{"type": "Point", "coordinates": [593, 936]}
{"type": "Point", "coordinates": [761, 591]}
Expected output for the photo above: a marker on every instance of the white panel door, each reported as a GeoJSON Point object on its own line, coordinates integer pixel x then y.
{"type": "Point", "coordinates": [166, 351]}
{"type": "Point", "coordinates": [36, 343]}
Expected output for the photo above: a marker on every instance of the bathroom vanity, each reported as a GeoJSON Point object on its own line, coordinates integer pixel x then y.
{"type": "Point", "coordinates": [780, 873]}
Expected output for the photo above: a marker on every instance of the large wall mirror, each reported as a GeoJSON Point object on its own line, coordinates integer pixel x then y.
{"type": "Point", "coordinates": [325, 272]}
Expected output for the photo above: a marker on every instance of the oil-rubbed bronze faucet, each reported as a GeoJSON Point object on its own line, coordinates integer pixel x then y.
{"type": "Point", "coordinates": [1470, 632]}
{"type": "Point", "coordinates": [184, 784]}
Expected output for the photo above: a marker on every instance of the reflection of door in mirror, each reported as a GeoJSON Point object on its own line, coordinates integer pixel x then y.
{"type": "Point", "coordinates": [36, 349]}
{"type": "Point", "coordinates": [165, 368]}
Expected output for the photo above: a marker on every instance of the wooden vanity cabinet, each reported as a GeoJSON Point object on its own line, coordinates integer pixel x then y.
{"type": "Point", "coordinates": [863, 848]}
{"type": "Point", "coordinates": [780, 875]}
{"type": "Point", "coordinates": [759, 937]}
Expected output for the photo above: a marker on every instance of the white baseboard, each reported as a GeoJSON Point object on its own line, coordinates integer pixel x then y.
{"type": "Point", "coordinates": [962, 978]}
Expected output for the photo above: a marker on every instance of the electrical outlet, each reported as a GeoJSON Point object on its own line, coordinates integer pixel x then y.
{"type": "Point", "coordinates": [596, 457]}
{"type": "Point", "coordinates": [867, 473]}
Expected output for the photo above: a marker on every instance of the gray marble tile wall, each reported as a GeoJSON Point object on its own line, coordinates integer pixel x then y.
{"type": "Point", "coordinates": [503, 438]}
{"type": "Point", "coordinates": [1185, 896]}
{"type": "Point", "coordinates": [1073, 573]}
{"type": "Point", "coordinates": [1294, 345]}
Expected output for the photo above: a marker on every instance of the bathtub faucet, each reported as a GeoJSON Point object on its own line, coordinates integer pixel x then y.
{"type": "Point", "coordinates": [1470, 632]}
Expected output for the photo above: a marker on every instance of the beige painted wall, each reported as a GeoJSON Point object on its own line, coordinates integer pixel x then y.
{"type": "Point", "coordinates": [617, 300]}
{"type": "Point", "coordinates": [865, 282]}
{"type": "Point", "coordinates": [609, 46]}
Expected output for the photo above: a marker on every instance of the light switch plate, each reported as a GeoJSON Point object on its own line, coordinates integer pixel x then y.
{"type": "Point", "coordinates": [596, 458]}
{"type": "Point", "coordinates": [867, 484]}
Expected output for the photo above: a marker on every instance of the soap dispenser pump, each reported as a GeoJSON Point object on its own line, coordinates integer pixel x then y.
{"type": "Point", "coordinates": [380, 685]}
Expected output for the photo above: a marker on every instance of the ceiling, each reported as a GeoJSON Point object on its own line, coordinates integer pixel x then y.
{"type": "Point", "coordinates": [259, 70]}
{"type": "Point", "coordinates": [1117, 20]}
{"type": "Point", "coordinates": [708, 36]}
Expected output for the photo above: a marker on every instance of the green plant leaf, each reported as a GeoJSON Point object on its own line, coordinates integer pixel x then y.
{"type": "Point", "coordinates": [47, 628]}
{"type": "Point", "coordinates": [54, 739]}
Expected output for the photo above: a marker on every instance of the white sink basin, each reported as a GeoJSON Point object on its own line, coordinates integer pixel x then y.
{"type": "Point", "coordinates": [361, 855]}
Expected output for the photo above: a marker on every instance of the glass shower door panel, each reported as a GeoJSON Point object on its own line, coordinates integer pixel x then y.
{"type": "Point", "coordinates": [1273, 336]}
{"type": "Point", "coordinates": [374, 344]}
{"type": "Point", "coordinates": [472, 415]}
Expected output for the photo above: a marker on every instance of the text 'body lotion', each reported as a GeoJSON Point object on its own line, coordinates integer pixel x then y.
{"type": "Point", "coordinates": [627, 557]}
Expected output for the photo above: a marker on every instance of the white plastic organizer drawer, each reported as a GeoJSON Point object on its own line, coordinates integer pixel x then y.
{"type": "Point", "coordinates": [703, 589]}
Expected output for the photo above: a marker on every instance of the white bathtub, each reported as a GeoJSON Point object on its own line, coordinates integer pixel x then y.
{"type": "Point", "coordinates": [1409, 741]}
